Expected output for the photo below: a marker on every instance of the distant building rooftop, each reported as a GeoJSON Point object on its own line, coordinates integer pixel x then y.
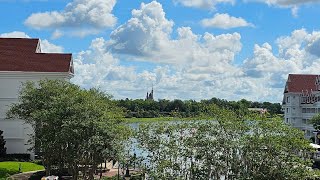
{"type": "Point", "coordinates": [260, 110]}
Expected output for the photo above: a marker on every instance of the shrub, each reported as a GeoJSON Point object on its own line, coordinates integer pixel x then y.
{"type": "Point", "coordinates": [38, 161]}
{"type": "Point", "coordinates": [5, 172]}
{"type": "Point", "coordinates": [17, 157]}
{"type": "Point", "coordinates": [3, 149]}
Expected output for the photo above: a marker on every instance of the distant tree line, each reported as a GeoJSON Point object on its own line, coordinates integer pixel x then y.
{"type": "Point", "coordinates": [188, 108]}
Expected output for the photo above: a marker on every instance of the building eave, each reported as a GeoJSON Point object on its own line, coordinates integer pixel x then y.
{"type": "Point", "coordinates": [26, 75]}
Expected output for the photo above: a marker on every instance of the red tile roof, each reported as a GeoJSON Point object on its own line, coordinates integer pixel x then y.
{"type": "Point", "coordinates": [19, 54]}
{"type": "Point", "coordinates": [301, 82]}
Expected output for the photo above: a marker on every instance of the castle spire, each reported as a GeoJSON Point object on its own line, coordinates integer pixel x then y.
{"type": "Point", "coordinates": [150, 95]}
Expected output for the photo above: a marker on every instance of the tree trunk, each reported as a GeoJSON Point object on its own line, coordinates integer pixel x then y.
{"type": "Point", "coordinates": [75, 172]}
{"type": "Point", "coordinates": [91, 172]}
{"type": "Point", "coordinates": [48, 167]}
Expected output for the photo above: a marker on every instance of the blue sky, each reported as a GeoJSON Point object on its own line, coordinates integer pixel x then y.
{"type": "Point", "coordinates": [186, 49]}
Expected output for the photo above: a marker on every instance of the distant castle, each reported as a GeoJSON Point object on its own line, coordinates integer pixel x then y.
{"type": "Point", "coordinates": [150, 95]}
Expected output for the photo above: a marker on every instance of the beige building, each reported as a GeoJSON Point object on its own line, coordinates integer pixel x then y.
{"type": "Point", "coordinates": [21, 60]}
{"type": "Point", "coordinates": [301, 101]}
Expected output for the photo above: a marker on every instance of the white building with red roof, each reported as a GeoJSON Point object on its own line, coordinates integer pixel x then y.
{"type": "Point", "coordinates": [21, 60]}
{"type": "Point", "coordinates": [301, 101]}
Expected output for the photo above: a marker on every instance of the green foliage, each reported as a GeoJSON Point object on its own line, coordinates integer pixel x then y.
{"type": "Point", "coordinates": [233, 145]}
{"type": "Point", "coordinates": [6, 172]}
{"type": "Point", "coordinates": [140, 108]}
{"type": "Point", "coordinates": [73, 126]}
{"type": "Point", "coordinates": [3, 149]}
{"type": "Point", "coordinates": [17, 157]}
{"type": "Point", "coordinates": [315, 120]}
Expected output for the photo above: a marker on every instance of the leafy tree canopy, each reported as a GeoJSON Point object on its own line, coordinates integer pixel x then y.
{"type": "Point", "coordinates": [73, 127]}
{"type": "Point", "coordinates": [315, 120]}
{"type": "Point", "coordinates": [229, 145]}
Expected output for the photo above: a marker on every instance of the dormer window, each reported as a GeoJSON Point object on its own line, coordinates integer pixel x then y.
{"type": "Point", "coordinates": [71, 69]}
{"type": "Point", "coordinates": [38, 49]}
{"type": "Point", "coordinates": [317, 83]}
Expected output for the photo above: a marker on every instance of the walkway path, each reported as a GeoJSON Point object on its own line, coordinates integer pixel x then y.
{"type": "Point", "coordinates": [113, 171]}
{"type": "Point", "coordinates": [22, 176]}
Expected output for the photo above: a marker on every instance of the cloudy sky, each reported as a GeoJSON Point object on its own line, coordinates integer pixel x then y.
{"type": "Point", "coordinates": [186, 49]}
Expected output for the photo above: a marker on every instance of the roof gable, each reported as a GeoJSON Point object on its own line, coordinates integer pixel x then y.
{"type": "Point", "coordinates": [24, 54]}
{"type": "Point", "coordinates": [298, 83]}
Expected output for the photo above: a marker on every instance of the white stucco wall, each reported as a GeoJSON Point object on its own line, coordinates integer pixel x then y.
{"type": "Point", "coordinates": [294, 116]}
{"type": "Point", "coordinates": [16, 132]}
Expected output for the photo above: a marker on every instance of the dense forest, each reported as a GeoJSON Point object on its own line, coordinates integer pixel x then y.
{"type": "Point", "coordinates": [188, 108]}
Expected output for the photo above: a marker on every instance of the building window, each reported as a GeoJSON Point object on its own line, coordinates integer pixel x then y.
{"type": "Point", "coordinates": [287, 110]}
{"type": "Point", "coordinates": [309, 110]}
{"type": "Point", "coordinates": [308, 121]}
{"type": "Point", "coordinates": [287, 120]}
{"type": "Point", "coordinates": [304, 121]}
{"type": "Point", "coordinates": [288, 99]}
{"type": "Point", "coordinates": [304, 110]}
{"type": "Point", "coordinates": [308, 133]}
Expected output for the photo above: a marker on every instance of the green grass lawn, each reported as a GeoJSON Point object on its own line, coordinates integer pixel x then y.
{"type": "Point", "coordinates": [9, 168]}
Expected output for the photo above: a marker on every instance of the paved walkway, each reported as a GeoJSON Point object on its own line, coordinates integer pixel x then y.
{"type": "Point", "coordinates": [113, 171]}
{"type": "Point", "coordinates": [22, 176]}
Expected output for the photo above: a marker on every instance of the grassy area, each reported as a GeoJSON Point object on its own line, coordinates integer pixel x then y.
{"type": "Point", "coordinates": [157, 119]}
{"type": "Point", "coordinates": [9, 168]}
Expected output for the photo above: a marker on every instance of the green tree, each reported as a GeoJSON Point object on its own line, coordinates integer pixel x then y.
{"type": "Point", "coordinates": [3, 148]}
{"type": "Point", "coordinates": [226, 146]}
{"type": "Point", "coordinates": [315, 120]}
{"type": "Point", "coordinates": [73, 127]}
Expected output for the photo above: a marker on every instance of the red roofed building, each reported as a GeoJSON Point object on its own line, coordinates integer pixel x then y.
{"type": "Point", "coordinates": [21, 60]}
{"type": "Point", "coordinates": [301, 101]}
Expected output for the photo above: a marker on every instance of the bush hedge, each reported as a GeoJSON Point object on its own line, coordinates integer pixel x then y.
{"type": "Point", "coordinates": [16, 157]}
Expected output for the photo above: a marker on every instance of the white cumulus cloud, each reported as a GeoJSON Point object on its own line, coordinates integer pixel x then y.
{"type": "Point", "coordinates": [295, 56]}
{"type": "Point", "coordinates": [288, 2]}
{"type": "Point", "coordinates": [147, 37]}
{"type": "Point", "coordinates": [204, 4]}
{"type": "Point", "coordinates": [77, 14]}
{"type": "Point", "coordinates": [225, 21]}
{"type": "Point", "coordinates": [56, 34]}
{"type": "Point", "coordinates": [293, 4]}
{"type": "Point", "coordinates": [46, 46]}
{"type": "Point", "coordinates": [14, 34]}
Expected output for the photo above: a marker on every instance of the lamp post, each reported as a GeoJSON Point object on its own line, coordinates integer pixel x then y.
{"type": "Point", "coordinates": [127, 175]}
{"type": "Point", "coordinates": [134, 161]}
{"type": "Point", "coordinates": [118, 170]}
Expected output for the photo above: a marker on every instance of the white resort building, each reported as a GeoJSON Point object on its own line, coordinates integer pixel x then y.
{"type": "Point", "coordinates": [301, 101]}
{"type": "Point", "coordinates": [21, 60]}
